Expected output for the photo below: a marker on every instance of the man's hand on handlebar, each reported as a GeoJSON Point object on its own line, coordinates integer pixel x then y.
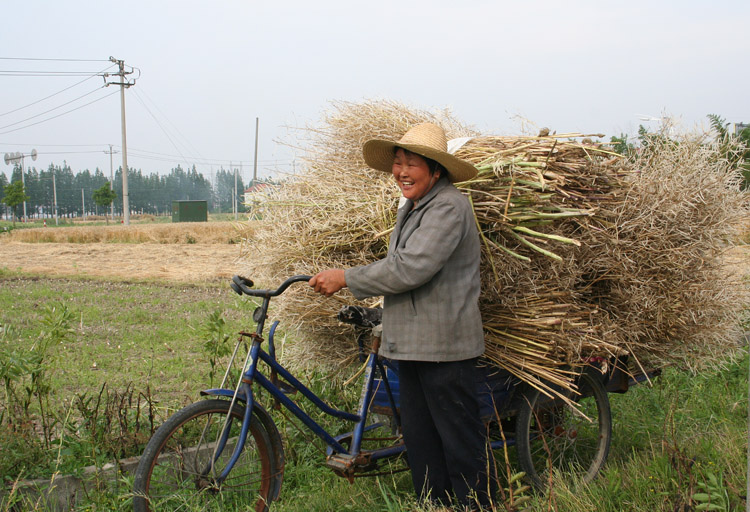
{"type": "Point", "coordinates": [328, 282]}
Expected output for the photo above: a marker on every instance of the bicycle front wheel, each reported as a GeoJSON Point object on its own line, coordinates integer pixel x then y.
{"type": "Point", "coordinates": [176, 470]}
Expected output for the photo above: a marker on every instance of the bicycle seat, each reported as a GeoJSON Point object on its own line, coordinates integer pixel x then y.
{"type": "Point", "coordinates": [361, 316]}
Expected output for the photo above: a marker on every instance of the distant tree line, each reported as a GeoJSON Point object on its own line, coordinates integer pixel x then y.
{"type": "Point", "coordinates": [152, 193]}
{"type": "Point", "coordinates": [734, 147]}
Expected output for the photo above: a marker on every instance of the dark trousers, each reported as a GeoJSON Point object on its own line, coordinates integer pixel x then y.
{"type": "Point", "coordinates": [445, 438]}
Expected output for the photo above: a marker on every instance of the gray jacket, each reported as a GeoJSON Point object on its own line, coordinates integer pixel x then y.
{"type": "Point", "coordinates": [429, 280]}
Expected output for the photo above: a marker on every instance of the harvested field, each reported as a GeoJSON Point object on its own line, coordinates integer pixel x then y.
{"type": "Point", "coordinates": [184, 232]}
{"type": "Point", "coordinates": [173, 262]}
{"type": "Point", "coordinates": [144, 251]}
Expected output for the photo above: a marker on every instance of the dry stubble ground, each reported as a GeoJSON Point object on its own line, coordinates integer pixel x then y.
{"type": "Point", "coordinates": [173, 262]}
{"type": "Point", "coordinates": [212, 256]}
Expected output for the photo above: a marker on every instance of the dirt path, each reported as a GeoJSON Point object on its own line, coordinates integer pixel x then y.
{"type": "Point", "coordinates": [175, 262]}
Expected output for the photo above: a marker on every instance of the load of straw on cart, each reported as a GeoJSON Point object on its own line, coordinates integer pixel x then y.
{"type": "Point", "coordinates": [585, 253]}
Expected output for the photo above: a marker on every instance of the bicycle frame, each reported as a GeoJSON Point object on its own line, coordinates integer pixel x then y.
{"type": "Point", "coordinates": [251, 375]}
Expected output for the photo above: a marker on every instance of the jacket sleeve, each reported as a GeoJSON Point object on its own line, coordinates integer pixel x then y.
{"type": "Point", "coordinates": [421, 257]}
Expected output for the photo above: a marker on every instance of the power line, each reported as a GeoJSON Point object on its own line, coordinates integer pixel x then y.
{"type": "Point", "coordinates": [55, 94]}
{"type": "Point", "coordinates": [161, 127]}
{"type": "Point", "coordinates": [46, 153]}
{"type": "Point", "coordinates": [53, 145]}
{"type": "Point", "coordinates": [50, 110]}
{"type": "Point", "coordinates": [143, 153]}
{"type": "Point", "coordinates": [204, 161]}
{"type": "Point", "coordinates": [53, 60]}
{"type": "Point", "coordinates": [59, 115]}
{"type": "Point", "coordinates": [19, 72]}
{"type": "Point", "coordinates": [188, 145]}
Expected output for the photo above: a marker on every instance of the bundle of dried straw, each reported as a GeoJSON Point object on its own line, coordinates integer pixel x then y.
{"type": "Point", "coordinates": [585, 254]}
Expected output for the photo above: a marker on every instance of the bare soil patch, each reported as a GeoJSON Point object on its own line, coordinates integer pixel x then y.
{"type": "Point", "coordinates": [180, 252]}
{"type": "Point", "coordinates": [173, 262]}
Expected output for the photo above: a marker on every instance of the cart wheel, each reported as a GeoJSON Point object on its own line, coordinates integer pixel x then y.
{"type": "Point", "coordinates": [552, 435]}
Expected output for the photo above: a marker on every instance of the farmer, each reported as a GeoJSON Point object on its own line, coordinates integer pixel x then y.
{"type": "Point", "coordinates": [431, 320]}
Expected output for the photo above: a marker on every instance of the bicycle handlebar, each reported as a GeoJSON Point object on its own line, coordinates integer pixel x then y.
{"type": "Point", "coordinates": [242, 286]}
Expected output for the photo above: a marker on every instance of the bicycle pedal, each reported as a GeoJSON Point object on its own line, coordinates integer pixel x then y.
{"type": "Point", "coordinates": [340, 461]}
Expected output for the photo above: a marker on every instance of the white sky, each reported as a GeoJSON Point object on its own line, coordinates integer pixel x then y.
{"type": "Point", "coordinates": [209, 68]}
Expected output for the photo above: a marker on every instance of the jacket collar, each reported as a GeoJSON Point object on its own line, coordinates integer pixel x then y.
{"type": "Point", "coordinates": [437, 187]}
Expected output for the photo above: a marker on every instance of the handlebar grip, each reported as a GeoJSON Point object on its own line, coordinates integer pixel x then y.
{"type": "Point", "coordinates": [245, 280]}
{"type": "Point", "coordinates": [242, 285]}
{"type": "Point", "coordinates": [236, 288]}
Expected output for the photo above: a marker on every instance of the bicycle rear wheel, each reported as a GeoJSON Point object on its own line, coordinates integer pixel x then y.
{"type": "Point", "coordinates": [551, 435]}
{"type": "Point", "coordinates": [175, 471]}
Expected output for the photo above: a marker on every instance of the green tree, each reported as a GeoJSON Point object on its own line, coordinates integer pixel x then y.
{"type": "Point", "coordinates": [734, 148]}
{"type": "Point", "coordinates": [622, 145]}
{"type": "Point", "coordinates": [103, 197]}
{"type": "Point", "coordinates": [225, 193]}
{"type": "Point", "coordinates": [15, 195]}
{"type": "Point", "coordinates": [3, 184]}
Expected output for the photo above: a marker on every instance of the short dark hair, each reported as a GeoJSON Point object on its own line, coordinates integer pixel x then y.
{"type": "Point", "coordinates": [433, 165]}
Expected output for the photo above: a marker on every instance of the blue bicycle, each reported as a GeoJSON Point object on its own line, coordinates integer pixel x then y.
{"type": "Point", "coordinates": [226, 450]}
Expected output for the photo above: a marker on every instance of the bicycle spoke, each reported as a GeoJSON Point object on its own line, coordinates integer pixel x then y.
{"type": "Point", "coordinates": [191, 454]}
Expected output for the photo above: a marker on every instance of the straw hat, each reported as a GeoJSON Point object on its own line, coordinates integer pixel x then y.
{"type": "Point", "coordinates": [424, 139]}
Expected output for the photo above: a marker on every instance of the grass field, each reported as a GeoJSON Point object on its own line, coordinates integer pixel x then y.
{"type": "Point", "coordinates": [146, 338]}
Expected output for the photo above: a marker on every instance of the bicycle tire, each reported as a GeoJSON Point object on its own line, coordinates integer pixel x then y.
{"type": "Point", "coordinates": [551, 434]}
{"type": "Point", "coordinates": [174, 471]}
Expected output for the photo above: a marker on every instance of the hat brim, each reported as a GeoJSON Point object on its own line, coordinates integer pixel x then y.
{"type": "Point", "coordinates": [379, 154]}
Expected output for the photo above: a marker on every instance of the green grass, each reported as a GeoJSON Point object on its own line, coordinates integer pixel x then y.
{"type": "Point", "coordinates": [144, 332]}
{"type": "Point", "coordinates": [670, 441]}
{"type": "Point", "coordinates": [667, 440]}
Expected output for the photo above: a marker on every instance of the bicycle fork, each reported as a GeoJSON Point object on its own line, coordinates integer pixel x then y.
{"type": "Point", "coordinates": [242, 390]}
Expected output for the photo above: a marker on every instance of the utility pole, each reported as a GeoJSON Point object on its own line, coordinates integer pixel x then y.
{"type": "Point", "coordinates": [255, 157]}
{"type": "Point", "coordinates": [111, 184]}
{"type": "Point", "coordinates": [18, 157]}
{"type": "Point", "coordinates": [213, 190]}
{"type": "Point", "coordinates": [234, 199]}
{"type": "Point", "coordinates": [83, 205]}
{"type": "Point", "coordinates": [23, 181]}
{"type": "Point", "coordinates": [123, 83]}
{"type": "Point", "coordinates": [54, 195]}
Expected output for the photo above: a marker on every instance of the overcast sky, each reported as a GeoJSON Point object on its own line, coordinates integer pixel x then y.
{"type": "Point", "coordinates": [209, 69]}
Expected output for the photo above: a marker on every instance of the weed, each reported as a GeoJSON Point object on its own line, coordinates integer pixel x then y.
{"type": "Point", "coordinates": [216, 344]}
{"type": "Point", "coordinates": [26, 435]}
{"type": "Point", "coordinates": [24, 371]}
{"type": "Point", "coordinates": [713, 494]}
{"type": "Point", "coordinates": [389, 500]}
{"type": "Point", "coordinates": [114, 422]}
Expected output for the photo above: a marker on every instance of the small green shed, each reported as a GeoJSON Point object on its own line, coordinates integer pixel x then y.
{"type": "Point", "coordinates": [189, 211]}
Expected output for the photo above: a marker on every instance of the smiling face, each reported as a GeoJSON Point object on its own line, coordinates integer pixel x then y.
{"type": "Point", "coordinates": [413, 175]}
